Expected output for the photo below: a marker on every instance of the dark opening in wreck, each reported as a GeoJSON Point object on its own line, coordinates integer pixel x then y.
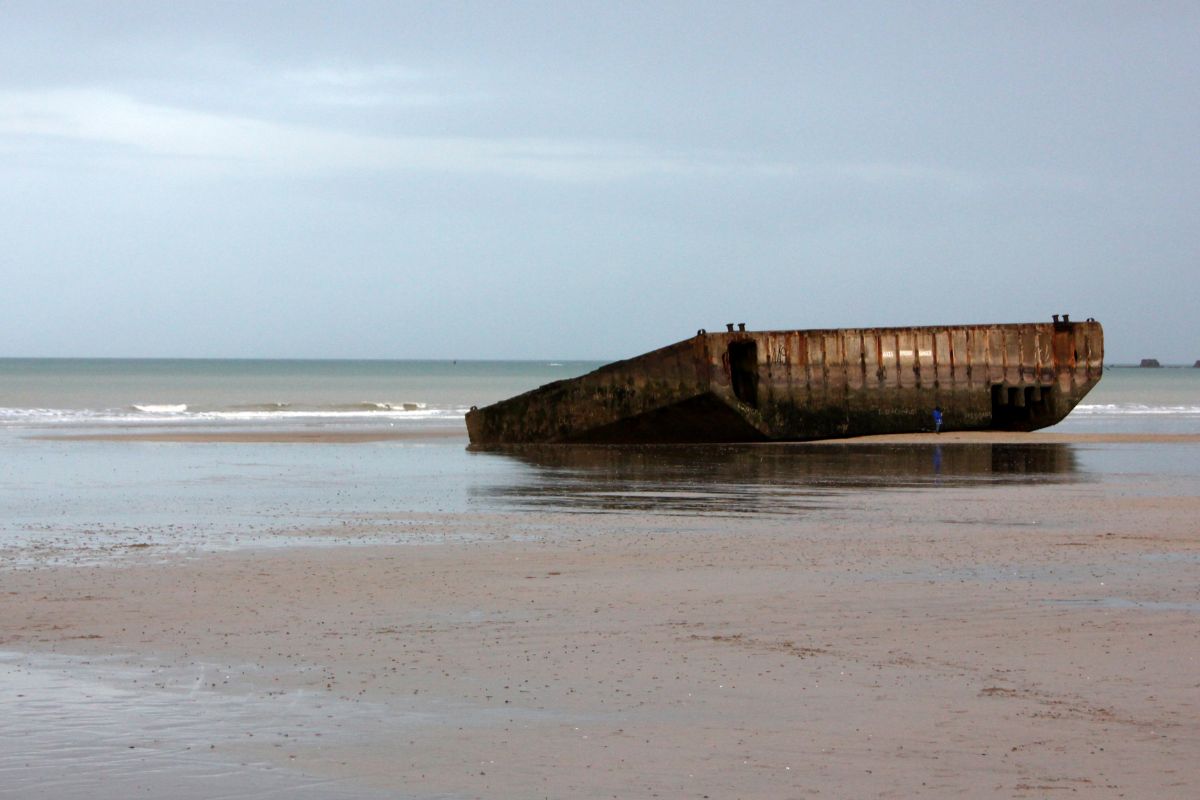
{"type": "Point", "coordinates": [743, 371]}
{"type": "Point", "coordinates": [1016, 408]}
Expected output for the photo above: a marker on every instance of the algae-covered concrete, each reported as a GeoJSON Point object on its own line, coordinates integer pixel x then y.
{"type": "Point", "coordinates": [740, 385]}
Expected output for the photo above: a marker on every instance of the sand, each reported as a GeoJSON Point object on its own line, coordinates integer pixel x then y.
{"type": "Point", "coordinates": [359, 437]}
{"type": "Point", "coordinates": [1025, 642]}
{"type": "Point", "coordinates": [1034, 437]}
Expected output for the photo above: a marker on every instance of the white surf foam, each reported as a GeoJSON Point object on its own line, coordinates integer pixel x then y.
{"type": "Point", "coordinates": [1139, 409]}
{"type": "Point", "coordinates": [181, 414]}
{"type": "Point", "coordinates": [163, 408]}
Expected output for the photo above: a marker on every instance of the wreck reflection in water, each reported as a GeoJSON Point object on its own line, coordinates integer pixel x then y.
{"type": "Point", "coordinates": [758, 478]}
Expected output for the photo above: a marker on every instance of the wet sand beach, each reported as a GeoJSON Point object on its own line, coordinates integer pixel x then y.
{"type": "Point", "coordinates": [1034, 636]}
{"type": "Point", "coordinates": [448, 432]}
{"type": "Point", "coordinates": [1032, 438]}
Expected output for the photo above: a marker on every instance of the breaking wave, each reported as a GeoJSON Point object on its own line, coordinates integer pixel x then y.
{"type": "Point", "coordinates": [1134, 409]}
{"type": "Point", "coordinates": [183, 413]}
{"type": "Point", "coordinates": [368, 406]}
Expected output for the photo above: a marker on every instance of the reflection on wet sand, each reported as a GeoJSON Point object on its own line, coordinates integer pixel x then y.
{"type": "Point", "coordinates": [81, 729]}
{"type": "Point", "coordinates": [770, 479]}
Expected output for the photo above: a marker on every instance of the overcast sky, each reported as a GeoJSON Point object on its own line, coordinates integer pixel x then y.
{"type": "Point", "coordinates": [589, 180]}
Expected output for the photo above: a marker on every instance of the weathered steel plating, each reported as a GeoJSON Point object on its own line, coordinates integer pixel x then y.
{"type": "Point", "coordinates": [812, 384]}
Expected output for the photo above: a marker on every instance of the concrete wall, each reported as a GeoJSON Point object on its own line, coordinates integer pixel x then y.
{"type": "Point", "coordinates": [841, 382]}
{"type": "Point", "coordinates": [795, 385]}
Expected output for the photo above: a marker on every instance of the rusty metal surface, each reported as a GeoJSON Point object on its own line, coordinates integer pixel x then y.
{"type": "Point", "coordinates": [743, 385]}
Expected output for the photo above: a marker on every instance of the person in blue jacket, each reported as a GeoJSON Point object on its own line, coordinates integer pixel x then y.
{"type": "Point", "coordinates": [937, 419]}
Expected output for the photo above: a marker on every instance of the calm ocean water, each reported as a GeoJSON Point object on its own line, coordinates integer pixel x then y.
{"type": "Point", "coordinates": [50, 393]}
{"type": "Point", "coordinates": [70, 501]}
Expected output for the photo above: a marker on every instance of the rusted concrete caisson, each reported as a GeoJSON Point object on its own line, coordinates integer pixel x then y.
{"type": "Point", "coordinates": [746, 386]}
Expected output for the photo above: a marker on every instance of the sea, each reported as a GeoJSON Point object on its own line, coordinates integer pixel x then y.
{"type": "Point", "coordinates": [79, 394]}
{"type": "Point", "coordinates": [66, 498]}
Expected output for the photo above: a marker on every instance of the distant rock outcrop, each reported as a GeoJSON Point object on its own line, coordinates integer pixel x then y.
{"type": "Point", "coordinates": [1197, 364]}
{"type": "Point", "coordinates": [1153, 362]}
